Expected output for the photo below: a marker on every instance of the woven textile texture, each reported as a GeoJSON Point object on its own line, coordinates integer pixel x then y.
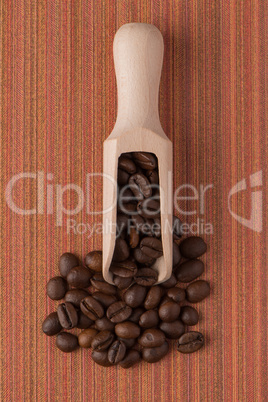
{"type": "Point", "coordinates": [58, 105]}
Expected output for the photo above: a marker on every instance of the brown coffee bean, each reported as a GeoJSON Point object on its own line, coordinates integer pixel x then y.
{"type": "Point", "coordinates": [66, 342]}
{"type": "Point", "coordinates": [153, 297]}
{"type": "Point", "coordinates": [124, 269]}
{"type": "Point", "coordinates": [121, 250]}
{"type": "Point", "coordinates": [85, 337]}
{"type": "Point", "coordinates": [151, 338]}
{"type": "Point", "coordinates": [75, 296]}
{"type": "Point", "coordinates": [68, 316]}
{"type": "Point", "coordinates": [197, 291]}
{"type": "Point", "coordinates": [193, 247]}
{"type": "Point", "coordinates": [176, 255]}
{"type": "Point", "coordinates": [104, 324]}
{"type": "Point", "coordinates": [128, 208]}
{"type": "Point", "coordinates": [79, 277]}
{"type": "Point", "coordinates": [153, 355]}
{"type": "Point", "coordinates": [189, 315]}
{"type": "Point", "coordinates": [152, 176]}
{"type": "Point", "coordinates": [136, 314]}
{"type": "Point", "coordinates": [176, 294]}
{"type": "Point", "coordinates": [134, 238]}
{"type": "Point", "coordinates": [101, 357]}
{"type": "Point", "coordinates": [118, 312]}
{"type": "Point", "coordinates": [149, 319]}
{"type": "Point", "coordinates": [190, 342]}
{"type": "Point", "coordinates": [146, 277]}
{"type": "Point", "coordinates": [145, 160]}
{"type": "Point", "coordinates": [135, 296]}
{"type": "Point", "coordinates": [117, 352]}
{"type": "Point", "coordinates": [127, 330]}
{"type": "Point", "coordinates": [105, 299]}
{"type": "Point", "coordinates": [91, 308]}
{"type": "Point", "coordinates": [170, 283]}
{"type": "Point", "coordinates": [51, 325]}
{"type": "Point", "coordinates": [83, 321]}
{"type": "Point", "coordinates": [56, 288]}
{"type": "Point", "coordinates": [102, 340]}
{"type": "Point", "coordinates": [142, 258]}
{"type": "Point", "coordinates": [165, 300]}
{"type": "Point", "coordinates": [128, 342]}
{"type": "Point", "coordinates": [132, 357]}
{"type": "Point", "coordinates": [151, 247]}
{"type": "Point", "coordinates": [67, 262]}
{"type": "Point", "coordinates": [172, 330]}
{"type": "Point", "coordinates": [93, 260]}
{"type": "Point", "coordinates": [149, 208]}
{"type": "Point", "coordinates": [126, 164]}
{"type": "Point", "coordinates": [140, 186]}
{"type": "Point", "coordinates": [122, 283]}
{"type": "Point", "coordinates": [189, 270]}
{"type": "Point", "coordinates": [122, 223]}
{"type": "Point", "coordinates": [101, 285]}
{"type": "Point", "coordinates": [169, 311]}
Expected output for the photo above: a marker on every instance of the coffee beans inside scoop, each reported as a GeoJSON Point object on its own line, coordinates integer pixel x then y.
{"type": "Point", "coordinates": [132, 319]}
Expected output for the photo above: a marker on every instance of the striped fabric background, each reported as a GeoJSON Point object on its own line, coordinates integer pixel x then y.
{"type": "Point", "coordinates": [58, 104]}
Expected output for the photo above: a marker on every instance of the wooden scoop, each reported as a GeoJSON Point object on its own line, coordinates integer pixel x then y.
{"type": "Point", "coordinates": [138, 56]}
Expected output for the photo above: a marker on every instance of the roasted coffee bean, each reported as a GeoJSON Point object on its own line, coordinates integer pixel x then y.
{"type": "Point", "coordinates": [75, 296]}
{"type": "Point", "coordinates": [176, 294]}
{"type": "Point", "coordinates": [177, 228]}
{"type": "Point", "coordinates": [122, 223]}
{"type": "Point", "coordinates": [104, 324]}
{"type": "Point", "coordinates": [93, 260]}
{"type": "Point", "coordinates": [51, 325]}
{"type": "Point", "coordinates": [189, 270]}
{"type": "Point", "coordinates": [152, 176]}
{"type": "Point", "coordinates": [126, 164]}
{"type": "Point", "coordinates": [125, 196]}
{"type": "Point", "coordinates": [140, 186]}
{"type": "Point", "coordinates": [153, 297]}
{"type": "Point", "coordinates": [172, 330]}
{"type": "Point", "coordinates": [151, 338]}
{"type": "Point", "coordinates": [153, 355]}
{"type": "Point", "coordinates": [67, 314]}
{"type": "Point", "coordinates": [190, 342]}
{"type": "Point", "coordinates": [145, 160]}
{"type": "Point", "coordinates": [127, 330]}
{"type": "Point", "coordinates": [91, 308]}
{"type": "Point", "coordinates": [122, 177]}
{"type": "Point", "coordinates": [142, 258]}
{"type": "Point", "coordinates": [169, 311]}
{"type": "Point", "coordinates": [85, 337]}
{"type": "Point", "coordinates": [79, 277]}
{"type": "Point", "coordinates": [83, 321]}
{"type": "Point", "coordinates": [102, 340]}
{"type": "Point", "coordinates": [101, 285]}
{"type": "Point", "coordinates": [149, 208]}
{"type": "Point", "coordinates": [125, 269]}
{"type": "Point", "coordinates": [128, 342]}
{"type": "Point", "coordinates": [189, 315]}
{"type": "Point", "coordinates": [176, 254]}
{"type": "Point", "coordinates": [193, 247]}
{"type": "Point", "coordinates": [56, 288]}
{"type": "Point", "coordinates": [67, 262]}
{"type": "Point", "coordinates": [104, 299]}
{"type": "Point", "coordinates": [170, 283]}
{"type": "Point", "coordinates": [151, 247]}
{"type": "Point", "coordinates": [101, 357]}
{"type": "Point", "coordinates": [165, 300]}
{"type": "Point", "coordinates": [138, 221]}
{"type": "Point", "coordinates": [146, 277]}
{"type": "Point", "coordinates": [66, 342]}
{"type": "Point", "coordinates": [149, 319]}
{"type": "Point", "coordinates": [134, 238]}
{"type": "Point", "coordinates": [132, 357]}
{"type": "Point", "coordinates": [135, 296]}
{"type": "Point", "coordinates": [122, 283]}
{"type": "Point", "coordinates": [118, 312]}
{"type": "Point", "coordinates": [136, 314]}
{"type": "Point", "coordinates": [117, 352]}
{"type": "Point", "coordinates": [156, 227]}
{"type": "Point", "coordinates": [121, 250]}
{"type": "Point", "coordinates": [197, 291]}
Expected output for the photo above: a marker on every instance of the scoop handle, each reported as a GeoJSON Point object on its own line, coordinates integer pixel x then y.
{"type": "Point", "coordinates": [138, 56]}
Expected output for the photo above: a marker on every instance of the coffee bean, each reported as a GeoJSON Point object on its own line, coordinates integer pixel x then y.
{"type": "Point", "coordinates": [140, 186]}
{"type": "Point", "coordinates": [172, 330]}
{"type": "Point", "coordinates": [85, 337]}
{"type": "Point", "coordinates": [142, 258]}
{"type": "Point", "coordinates": [104, 324]}
{"type": "Point", "coordinates": [128, 208]}
{"type": "Point", "coordinates": [124, 269]}
{"type": "Point", "coordinates": [135, 296]}
{"type": "Point", "coordinates": [136, 314]}
{"type": "Point", "coordinates": [122, 177]}
{"type": "Point", "coordinates": [149, 319]}
{"type": "Point", "coordinates": [83, 321]}
{"type": "Point", "coordinates": [170, 283]}
{"type": "Point", "coordinates": [151, 247]}
{"type": "Point", "coordinates": [152, 175]}
{"type": "Point", "coordinates": [101, 357]}
{"type": "Point", "coordinates": [67, 262]}
{"type": "Point", "coordinates": [121, 223]}
{"type": "Point", "coordinates": [118, 312]}
{"type": "Point", "coordinates": [75, 296]}
{"type": "Point", "coordinates": [66, 342]}
{"type": "Point", "coordinates": [134, 238]}
{"type": "Point", "coordinates": [151, 338]}
{"type": "Point", "coordinates": [146, 277]}
{"type": "Point", "coordinates": [127, 330]}
{"type": "Point", "coordinates": [121, 250]}
{"type": "Point", "coordinates": [145, 160]}
{"type": "Point", "coordinates": [128, 342]}
{"type": "Point", "coordinates": [117, 352]}
{"type": "Point", "coordinates": [131, 357]}
{"type": "Point", "coordinates": [149, 208]}
{"type": "Point", "coordinates": [176, 255]}
{"type": "Point", "coordinates": [176, 294]}
{"type": "Point", "coordinates": [104, 299]}
{"type": "Point", "coordinates": [189, 315]}
{"type": "Point", "coordinates": [122, 283]}
{"type": "Point", "coordinates": [189, 270]}
{"type": "Point", "coordinates": [190, 342]}
{"type": "Point", "coordinates": [93, 260]}
{"type": "Point", "coordinates": [193, 247]}
{"type": "Point", "coordinates": [169, 311]}
{"type": "Point", "coordinates": [100, 284]}
{"type": "Point", "coordinates": [197, 291]}
{"type": "Point", "coordinates": [126, 164]}
{"type": "Point", "coordinates": [51, 325]}
{"type": "Point", "coordinates": [165, 300]}
{"type": "Point", "coordinates": [56, 288]}
{"type": "Point", "coordinates": [91, 308]}
{"type": "Point", "coordinates": [67, 314]}
{"type": "Point", "coordinates": [177, 228]}
{"type": "Point", "coordinates": [125, 196]}
{"type": "Point", "coordinates": [102, 340]}
{"type": "Point", "coordinates": [153, 297]}
{"type": "Point", "coordinates": [153, 355]}
{"type": "Point", "coordinates": [79, 277]}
